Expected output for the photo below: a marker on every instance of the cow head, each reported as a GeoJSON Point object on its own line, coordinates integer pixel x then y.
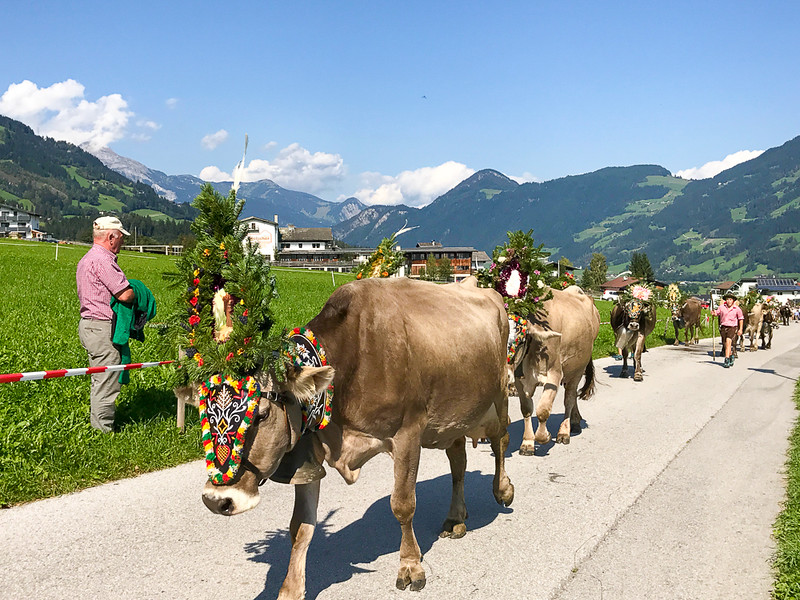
{"type": "Point", "coordinates": [633, 310]}
{"type": "Point", "coordinates": [275, 431]}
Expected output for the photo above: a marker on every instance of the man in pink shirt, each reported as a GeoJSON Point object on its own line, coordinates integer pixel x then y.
{"type": "Point", "coordinates": [731, 323]}
{"type": "Point", "coordinates": [99, 278]}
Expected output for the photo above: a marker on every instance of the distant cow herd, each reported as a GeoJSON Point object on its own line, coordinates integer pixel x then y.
{"type": "Point", "coordinates": [418, 365]}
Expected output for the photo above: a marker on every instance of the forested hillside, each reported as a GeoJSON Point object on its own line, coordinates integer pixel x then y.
{"type": "Point", "coordinates": [69, 188]}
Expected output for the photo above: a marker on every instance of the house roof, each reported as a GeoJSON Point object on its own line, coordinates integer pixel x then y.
{"type": "Point", "coordinates": [306, 234]}
{"type": "Point", "coordinates": [259, 219]}
{"type": "Point", "coordinates": [481, 256]}
{"type": "Point", "coordinates": [619, 283]}
{"type": "Point", "coordinates": [725, 285]}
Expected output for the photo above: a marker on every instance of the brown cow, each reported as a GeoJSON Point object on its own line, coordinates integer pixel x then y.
{"type": "Point", "coordinates": [687, 316]}
{"type": "Point", "coordinates": [416, 365]}
{"type": "Point", "coordinates": [768, 325]}
{"type": "Point", "coordinates": [632, 323]}
{"type": "Point", "coordinates": [557, 360]}
{"type": "Point", "coordinates": [753, 321]}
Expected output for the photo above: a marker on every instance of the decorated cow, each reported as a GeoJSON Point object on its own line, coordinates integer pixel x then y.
{"type": "Point", "coordinates": [686, 315]}
{"type": "Point", "coordinates": [633, 318]}
{"type": "Point", "coordinates": [556, 350]}
{"type": "Point", "coordinates": [388, 365]}
{"type": "Point", "coordinates": [554, 325]}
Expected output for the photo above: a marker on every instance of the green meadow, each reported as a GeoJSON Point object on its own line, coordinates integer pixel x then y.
{"type": "Point", "coordinates": [47, 446]}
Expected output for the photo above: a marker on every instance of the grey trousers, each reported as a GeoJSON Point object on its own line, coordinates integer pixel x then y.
{"type": "Point", "coordinates": [96, 338]}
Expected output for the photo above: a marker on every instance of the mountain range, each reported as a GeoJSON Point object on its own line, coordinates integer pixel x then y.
{"type": "Point", "coordinates": [744, 221]}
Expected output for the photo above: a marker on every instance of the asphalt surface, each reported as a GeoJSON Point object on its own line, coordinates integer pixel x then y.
{"type": "Point", "coordinates": [670, 492]}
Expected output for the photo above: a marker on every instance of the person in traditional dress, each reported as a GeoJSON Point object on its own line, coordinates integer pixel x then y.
{"type": "Point", "coordinates": [731, 325]}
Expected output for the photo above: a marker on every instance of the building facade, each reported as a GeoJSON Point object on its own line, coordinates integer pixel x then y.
{"type": "Point", "coordinates": [264, 234]}
{"type": "Point", "coordinates": [19, 223]}
{"type": "Point", "coordinates": [460, 258]}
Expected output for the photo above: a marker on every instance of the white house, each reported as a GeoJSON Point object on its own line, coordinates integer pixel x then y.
{"type": "Point", "coordinates": [264, 234]}
{"type": "Point", "coordinates": [19, 223]}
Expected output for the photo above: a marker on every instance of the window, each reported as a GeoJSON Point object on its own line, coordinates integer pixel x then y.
{"type": "Point", "coordinates": [252, 226]}
{"type": "Point", "coordinates": [315, 245]}
{"type": "Point", "coordinates": [300, 245]}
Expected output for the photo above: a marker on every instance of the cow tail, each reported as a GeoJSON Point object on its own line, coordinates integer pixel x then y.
{"type": "Point", "coordinates": [587, 391]}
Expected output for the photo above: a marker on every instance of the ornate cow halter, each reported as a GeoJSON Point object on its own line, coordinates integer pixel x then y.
{"type": "Point", "coordinates": [517, 330]}
{"type": "Point", "coordinates": [229, 411]}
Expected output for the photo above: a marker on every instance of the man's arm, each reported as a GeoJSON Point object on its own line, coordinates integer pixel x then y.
{"type": "Point", "coordinates": [127, 295]}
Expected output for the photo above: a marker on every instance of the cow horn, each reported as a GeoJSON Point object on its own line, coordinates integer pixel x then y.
{"type": "Point", "coordinates": [542, 335]}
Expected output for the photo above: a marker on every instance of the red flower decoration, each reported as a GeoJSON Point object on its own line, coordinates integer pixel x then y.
{"type": "Point", "coordinates": [196, 281]}
{"type": "Point", "coordinates": [244, 313]}
{"type": "Point", "coordinates": [194, 320]}
{"type": "Point", "coordinates": [193, 301]}
{"type": "Point", "coordinates": [246, 340]}
{"type": "Point", "coordinates": [230, 356]}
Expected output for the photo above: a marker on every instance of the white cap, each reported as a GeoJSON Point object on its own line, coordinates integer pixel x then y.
{"type": "Point", "coordinates": [109, 223]}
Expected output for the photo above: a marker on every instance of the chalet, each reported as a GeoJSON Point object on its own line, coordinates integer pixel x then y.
{"type": "Point", "coordinates": [314, 248]}
{"type": "Point", "coordinates": [782, 288]}
{"type": "Point", "coordinates": [19, 223]}
{"type": "Point", "coordinates": [264, 234]}
{"type": "Point", "coordinates": [460, 258]}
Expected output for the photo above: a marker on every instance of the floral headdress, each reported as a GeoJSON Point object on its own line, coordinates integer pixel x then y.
{"type": "Point", "coordinates": [384, 262]}
{"type": "Point", "coordinates": [519, 273]}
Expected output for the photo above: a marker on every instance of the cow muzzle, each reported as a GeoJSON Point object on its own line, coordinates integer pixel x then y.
{"type": "Point", "coordinates": [229, 500]}
{"type": "Point", "coordinates": [633, 326]}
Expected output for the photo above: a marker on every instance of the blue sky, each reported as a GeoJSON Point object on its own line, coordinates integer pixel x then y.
{"type": "Point", "coordinates": [399, 101]}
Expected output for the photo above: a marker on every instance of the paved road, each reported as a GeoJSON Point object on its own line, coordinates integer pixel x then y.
{"type": "Point", "coordinates": [669, 492]}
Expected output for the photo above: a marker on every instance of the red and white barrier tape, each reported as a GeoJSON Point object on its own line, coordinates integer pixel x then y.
{"type": "Point", "coordinates": [36, 375]}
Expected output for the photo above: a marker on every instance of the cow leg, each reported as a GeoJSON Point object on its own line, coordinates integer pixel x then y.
{"type": "Point", "coordinates": [677, 341]}
{"type": "Point", "coordinates": [572, 418]}
{"type": "Point", "coordinates": [304, 520]}
{"type": "Point", "coordinates": [624, 372]}
{"type": "Point", "coordinates": [501, 486]}
{"type": "Point", "coordinates": [404, 503]}
{"type": "Point", "coordinates": [527, 447]}
{"type": "Point", "coordinates": [454, 526]}
{"type": "Point", "coordinates": [637, 372]}
{"type": "Point", "coordinates": [545, 406]}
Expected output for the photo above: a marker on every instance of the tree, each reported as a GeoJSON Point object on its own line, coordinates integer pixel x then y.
{"type": "Point", "coordinates": [431, 268]}
{"type": "Point", "coordinates": [640, 267]}
{"type": "Point", "coordinates": [444, 269]}
{"type": "Point", "coordinates": [595, 275]}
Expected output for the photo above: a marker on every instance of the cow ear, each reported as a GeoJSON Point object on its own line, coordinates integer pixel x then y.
{"type": "Point", "coordinates": [307, 382]}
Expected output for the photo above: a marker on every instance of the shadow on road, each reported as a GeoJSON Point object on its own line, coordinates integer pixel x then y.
{"type": "Point", "coordinates": [770, 372]}
{"type": "Point", "coordinates": [334, 556]}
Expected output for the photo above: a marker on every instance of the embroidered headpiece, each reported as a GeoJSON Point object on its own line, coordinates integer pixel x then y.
{"type": "Point", "coordinates": [227, 407]}
{"type": "Point", "coordinates": [305, 351]}
{"type": "Point", "coordinates": [517, 330]}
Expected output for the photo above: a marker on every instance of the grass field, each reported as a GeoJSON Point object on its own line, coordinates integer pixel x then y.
{"type": "Point", "coordinates": [787, 527]}
{"type": "Point", "coordinates": [47, 446]}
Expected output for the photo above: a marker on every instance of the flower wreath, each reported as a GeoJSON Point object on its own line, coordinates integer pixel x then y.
{"type": "Point", "coordinates": [641, 292]}
{"type": "Point", "coordinates": [516, 273]}
{"type": "Point", "coordinates": [384, 262]}
{"type": "Point", "coordinates": [304, 350]}
{"type": "Point", "coordinates": [227, 407]}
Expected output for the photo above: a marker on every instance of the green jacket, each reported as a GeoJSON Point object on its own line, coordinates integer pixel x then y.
{"type": "Point", "coordinates": [129, 321]}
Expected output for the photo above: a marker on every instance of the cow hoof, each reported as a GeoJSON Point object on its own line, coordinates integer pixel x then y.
{"type": "Point", "coordinates": [411, 576]}
{"type": "Point", "coordinates": [455, 530]}
{"type": "Point", "coordinates": [562, 438]}
{"type": "Point", "coordinates": [624, 374]}
{"type": "Point", "coordinates": [676, 343]}
{"type": "Point", "coordinates": [527, 448]}
{"type": "Point", "coordinates": [542, 439]}
{"type": "Point", "coordinates": [505, 496]}
{"type": "Point", "coordinates": [638, 377]}
{"type": "Point", "coordinates": [575, 427]}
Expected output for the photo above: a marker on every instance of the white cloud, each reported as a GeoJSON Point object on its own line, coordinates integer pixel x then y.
{"type": "Point", "coordinates": [212, 140]}
{"type": "Point", "coordinates": [152, 125]}
{"type": "Point", "coordinates": [715, 167]}
{"type": "Point", "coordinates": [526, 177]}
{"type": "Point", "coordinates": [294, 168]}
{"type": "Point", "coordinates": [61, 112]}
{"type": "Point", "coordinates": [270, 146]}
{"type": "Point", "coordinates": [171, 103]}
{"type": "Point", "coordinates": [413, 188]}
